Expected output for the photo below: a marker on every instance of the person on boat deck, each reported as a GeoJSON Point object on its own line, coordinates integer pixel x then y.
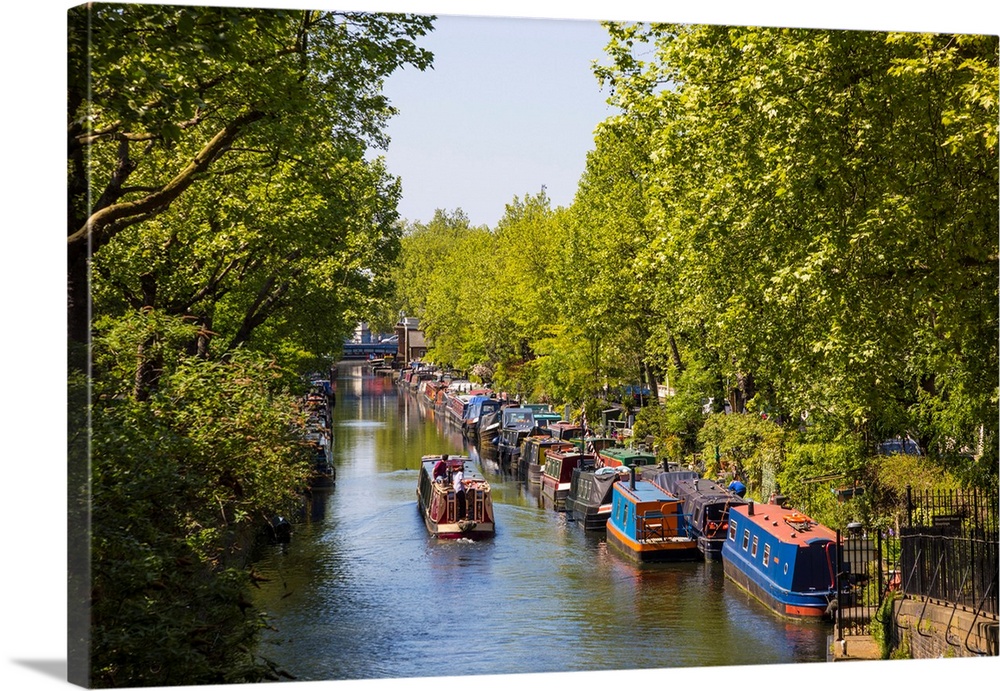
{"type": "Point", "coordinates": [456, 482]}
{"type": "Point", "coordinates": [441, 469]}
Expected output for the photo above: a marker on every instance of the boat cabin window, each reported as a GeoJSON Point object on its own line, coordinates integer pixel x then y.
{"type": "Point", "coordinates": [767, 555]}
{"type": "Point", "coordinates": [746, 539]}
{"type": "Point", "coordinates": [753, 549]}
{"type": "Point", "coordinates": [732, 530]}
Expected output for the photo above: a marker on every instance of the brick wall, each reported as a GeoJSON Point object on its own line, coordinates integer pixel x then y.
{"type": "Point", "coordinates": [937, 629]}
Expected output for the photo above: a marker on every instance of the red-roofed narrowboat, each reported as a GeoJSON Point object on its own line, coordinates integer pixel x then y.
{"type": "Point", "coordinates": [782, 557]}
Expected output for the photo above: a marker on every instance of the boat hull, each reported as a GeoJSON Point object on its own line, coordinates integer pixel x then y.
{"type": "Point", "coordinates": [784, 603]}
{"type": "Point", "coordinates": [652, 551]}
{"type": "Point", "coordinates": [590, 517]}
{"type": "Point", "coordinates": [457, 531]}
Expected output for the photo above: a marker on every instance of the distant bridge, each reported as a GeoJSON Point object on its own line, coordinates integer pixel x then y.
{"type": "Point", "coordinates": [362, 351]}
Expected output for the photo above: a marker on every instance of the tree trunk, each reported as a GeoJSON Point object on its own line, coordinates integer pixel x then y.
{"type": "Point", "coordinates": [78, 298]}
{"type": "Point", "coordinates": [675, 354]}
{"type": "Point", "coordinates": [146, 371]}
{"type": "Point", "coordinates": [653, 384]}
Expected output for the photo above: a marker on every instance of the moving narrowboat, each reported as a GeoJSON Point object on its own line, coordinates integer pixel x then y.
{"type": "Point", "coordinates": [557, 474]}
{"type": "Point", "coordinates": [782, 557]}
{"type": "Point", "coordinates": [647, 524]}
{"type": "Point", "coordinates": [437, 505]}
{"type": "Point", "coordinates": [589, 498]}
{"type": "Point", "coordinates": [706, 508]}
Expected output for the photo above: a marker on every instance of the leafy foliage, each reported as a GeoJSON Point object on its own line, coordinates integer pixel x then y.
{"type": "Point", "coordinates": [180, 483]}
{"type": "Point", "coordinates": [224, 211]}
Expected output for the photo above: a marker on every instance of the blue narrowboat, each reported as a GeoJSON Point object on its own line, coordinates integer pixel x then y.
{"type": "Point", "coordinates": [782, 557]}
{"type": "Point", "coordinates": [647, 524]}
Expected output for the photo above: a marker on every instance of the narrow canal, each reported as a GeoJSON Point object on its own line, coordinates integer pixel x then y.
{"type": "Point", "coordinates": [362, 591]}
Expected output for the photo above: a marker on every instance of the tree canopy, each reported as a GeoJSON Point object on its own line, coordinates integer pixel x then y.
{"type": "Point", "coordinates": [800, 222]}
{"type": "Point", "coordinates": [228, 226]}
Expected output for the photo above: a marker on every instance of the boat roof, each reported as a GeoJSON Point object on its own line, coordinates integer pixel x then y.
{"type": "Point", "coordinates": [629, 456]}
{"type": "Point", "coordinates": [538, 407]}
{"type": "Point", "coordinates": [468, 466]}
{"type": "Point", "coordinates": [645, 491]}
{"type": "Point", "coordinates": [568, 451]}
{"type": "Point", "coordinates": [564, 424]}
{"type": "Point", "coordinates": [669, 480]}
{"type": "Point", "coordinates": [522, 418]}
{"type": "Point", "coordinates": [785, 523]}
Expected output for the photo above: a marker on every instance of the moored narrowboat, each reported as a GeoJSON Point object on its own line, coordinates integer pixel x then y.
{"type": "Point", "coordinates": [567, 431]}
{"type": "Point", "coordinates": [531, 460]}
{"type": "Point", "coordinates": [589, 500]}
{"type": "Point", "coordinates": [618, 456]}
{"type": "Point", "coordinates": [647, 524]}
{"type": "Point", "coordinates": [515, 424]}
{"type": "Point", "coordinates": [478, 407]}
{"type": "Point", "coordinates": [557, 474]}
{"type": "Point", "coordinates": [706, 508]}
{"type": "Point", "coordinates": [594, 444]}
{"type": "Point", "coordinates": [437, 504]}
{"type": "Point", "coordinates": [546, 418]}
{"type": "Point", "coordinates": [782, 557]}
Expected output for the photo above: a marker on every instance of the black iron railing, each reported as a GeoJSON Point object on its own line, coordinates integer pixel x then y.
{"type": "Point", "coordinates": [946, 551]}
{"type": "Point", "coordinates": [949, 549]}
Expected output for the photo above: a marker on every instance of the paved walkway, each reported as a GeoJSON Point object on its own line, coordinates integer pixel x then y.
{"type": "Point", "coordinates": [856, 648]}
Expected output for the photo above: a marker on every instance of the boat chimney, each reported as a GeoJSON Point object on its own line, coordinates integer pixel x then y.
{"type": "Point", "coordinates": [750, 509]}
{"type": "Point", "coordinates": [631, 477]}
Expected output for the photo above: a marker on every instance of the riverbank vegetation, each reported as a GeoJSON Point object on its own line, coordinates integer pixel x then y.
{"type": "Point", "coordinates": [798, 225]}
{"type": "Point", "coordinates": [226, 230]}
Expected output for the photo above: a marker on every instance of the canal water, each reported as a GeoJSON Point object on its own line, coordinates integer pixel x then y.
{"type": "Point", "coordinates": [362, 591]}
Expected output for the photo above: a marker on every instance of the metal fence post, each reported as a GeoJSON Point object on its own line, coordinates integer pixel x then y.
{"type": "Point", "coordinates": [840, 570]}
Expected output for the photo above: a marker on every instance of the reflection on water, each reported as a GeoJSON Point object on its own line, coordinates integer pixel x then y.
{"type": "Point", "coordinates": [362, 591]}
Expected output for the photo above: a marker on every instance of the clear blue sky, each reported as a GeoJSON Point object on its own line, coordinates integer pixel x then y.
{"type": "Point", "coordinates": [511, 103]}
{"type": "Point", "coordinates": [510, 106]}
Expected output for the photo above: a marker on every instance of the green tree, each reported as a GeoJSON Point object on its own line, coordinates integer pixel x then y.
{"type": "Point", "coordinates": [820, 196]}
{"type": "Point", "coordinates": [163, 98]}
{"type": "Point", "coordinates": [180, 484]}
{"type": "Point", "coordinates": [222, 204]}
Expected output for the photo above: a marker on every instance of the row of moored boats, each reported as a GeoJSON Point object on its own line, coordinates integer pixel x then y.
{"type": "Point", "coordinates": [650, 512]}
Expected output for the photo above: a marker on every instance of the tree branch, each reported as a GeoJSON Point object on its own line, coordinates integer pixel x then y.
{"type": "Point", "coordinates": [98, 228]}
